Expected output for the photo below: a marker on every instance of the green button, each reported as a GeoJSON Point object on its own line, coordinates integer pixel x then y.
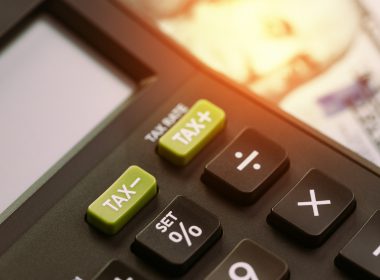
{"type": "Point", "coordinates": [192, 132]}
{"type": "Point", "coordinates": [122, 200]}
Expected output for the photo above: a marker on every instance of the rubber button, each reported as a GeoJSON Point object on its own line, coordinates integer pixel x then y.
{"type": "Point", "coordinates": [192, 132]}
{"type": "Point", "coordinates": [122, 200]}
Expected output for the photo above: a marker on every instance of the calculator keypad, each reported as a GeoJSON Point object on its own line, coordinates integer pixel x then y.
{"type": "Point", "coordinates": [242, 171]}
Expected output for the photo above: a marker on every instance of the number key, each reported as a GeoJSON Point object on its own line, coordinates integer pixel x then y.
{"type": "Point", "coordinates": [250, 261]}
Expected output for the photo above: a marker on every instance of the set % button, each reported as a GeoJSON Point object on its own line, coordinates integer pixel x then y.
{"type": "Point", "coordinates": [169, 220]}
{"type": "Point", "coordinates": [180, 234]}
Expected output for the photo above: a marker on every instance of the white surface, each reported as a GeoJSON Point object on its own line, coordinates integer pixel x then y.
{"type": "Point", "coordinates": [54, 93]}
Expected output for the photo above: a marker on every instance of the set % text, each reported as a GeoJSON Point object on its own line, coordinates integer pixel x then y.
{"type": "Point", "coordinates": [184, 234]}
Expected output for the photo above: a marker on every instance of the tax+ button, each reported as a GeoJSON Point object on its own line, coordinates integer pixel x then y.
{"type": "Point", "coordinates": [191, 133]}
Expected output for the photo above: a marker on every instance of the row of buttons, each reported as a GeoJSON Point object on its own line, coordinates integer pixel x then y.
{"type": "Point", "coordinates": [250, 164]}
{"type": "Point", "coordinates": [243, 171]}
{"type": "Point", "coordinates": [174, 240]}
{"type": "Point", "coordinates": [181, 233]}
{"type": "Point", "coordinates": [177, 237]}
{"type": "Point", "coordinates": [248, 260]}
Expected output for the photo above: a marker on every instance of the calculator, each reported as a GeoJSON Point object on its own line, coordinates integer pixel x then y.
{"type": "Point", "coordinates": [176, 172]}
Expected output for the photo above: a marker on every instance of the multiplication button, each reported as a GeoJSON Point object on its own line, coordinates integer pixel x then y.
{"type": "Point", "coordinates": [122, 200]}
{"type": "Point", "coordinates": [313, 209]}
{"type": "Point", "coordinates": [177, 236]}
{"type": "Point", "coordinates": [246, 167]}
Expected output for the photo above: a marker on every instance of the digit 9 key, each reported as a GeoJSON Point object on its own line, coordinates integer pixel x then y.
{"type": "Point", "coordinates": [178, 236]}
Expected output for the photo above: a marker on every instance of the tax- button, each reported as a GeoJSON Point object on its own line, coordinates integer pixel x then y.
{"type": "Point", "coordinates": [250, 261]}
{"type": "Point", "coordinates": [178, 236]}
{"type": "Point", "coordinates": [191, 133]}
{"type": "Point", "coordinates": [122, 200]}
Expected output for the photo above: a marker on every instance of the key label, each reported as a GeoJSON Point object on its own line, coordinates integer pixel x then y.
{"type": "Point", "coordinates": [248, 160]}
{"type": "Point", "coordinates": [376, 253]}
{"type": "Point", "coordinates": [177, 237]}
{"type": "Point", "coordinates": [166, 222]}
{"type": "Point", "coordinates": [118, 200]}
{"type": "Point", "coordinates": [160, 129]}
{"type": "Point", "coordinates": [192, 128]}
{"type": "Point", "coordinates": [314, 203]}
{"type": "Point", "coordinates": [174, 236]}
{"type": "Point", "coordinates": [235, 271]}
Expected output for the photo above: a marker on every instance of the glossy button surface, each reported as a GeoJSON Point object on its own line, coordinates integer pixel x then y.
{"type": "Point", "coordinates": [122, 200]}
{"type": "Point", "coordinates": [192, 132]}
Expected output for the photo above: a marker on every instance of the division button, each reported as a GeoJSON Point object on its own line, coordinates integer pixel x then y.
{"type": "Point", "coordinates": [191, 133]}
{"type": "Point", "coordinates": [178, 236]}
{"type": "Point", "coordinates": [116, 270]}
{"type": "Point", "coordinates": [246, 167]}
{"type": "Point", "coordinates": [313, 209]}
{"type": "Point", "coordinates": [250, 261]}
{"type": "Point", "coordinates": [361, 256]}
{"type": "Point", "coordinates": [122, 200]}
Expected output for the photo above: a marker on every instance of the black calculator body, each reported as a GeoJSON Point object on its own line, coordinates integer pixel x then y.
{"type": "Point", "coordinates": [48, 237]}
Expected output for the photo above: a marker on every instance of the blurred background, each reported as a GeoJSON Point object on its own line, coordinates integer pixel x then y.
{"type": "Point", "coordinates": [317, 60]}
